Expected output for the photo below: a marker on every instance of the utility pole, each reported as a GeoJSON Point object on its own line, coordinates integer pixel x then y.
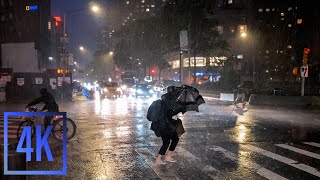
{"type": "Point", "coordinates": [304, 68]}
{"type": "Point", "coordinates": [195, 67]}
{"type": "Point", "coordinates": [181, 64]}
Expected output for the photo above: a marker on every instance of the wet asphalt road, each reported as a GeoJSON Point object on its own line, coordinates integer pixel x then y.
{"type": "Point", "coordinates": [113, 141]}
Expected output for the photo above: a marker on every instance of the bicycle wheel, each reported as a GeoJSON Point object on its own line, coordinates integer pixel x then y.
{"type": "Point", "coordinates": [26, 123]}
{"type": "Point", "coordinates": [57, 130]}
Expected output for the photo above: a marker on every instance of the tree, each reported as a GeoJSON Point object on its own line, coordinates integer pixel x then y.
{"type": "Point", "coordinates": [152, 38]}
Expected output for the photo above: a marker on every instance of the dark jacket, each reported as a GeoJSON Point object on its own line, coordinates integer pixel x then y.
{"type": "Point", "coordinates": [48, 100]}
{"type": "Point", "coordinates": [161, 118]}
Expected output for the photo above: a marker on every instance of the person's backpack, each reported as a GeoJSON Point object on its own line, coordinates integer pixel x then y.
{"type": "Point", "coordinates": [154, 110]}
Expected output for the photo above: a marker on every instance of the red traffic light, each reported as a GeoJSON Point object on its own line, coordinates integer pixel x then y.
{"type": "Point", "coordinates": [306, 50]}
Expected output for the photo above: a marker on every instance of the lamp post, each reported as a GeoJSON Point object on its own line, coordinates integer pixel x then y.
{"type": "Point", "coordinates": [181, 65]}
{"type": "Point", "coordinates": [64, 54]}
{"type": "Point", "coordinates": [94, 9]}
{"type": "Point", "coordinates": [251, 47]}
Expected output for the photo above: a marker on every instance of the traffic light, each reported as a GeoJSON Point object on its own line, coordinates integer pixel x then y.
{"type": "Point", "coordinates": [306, 51]}
{"type": "Point", "coordinates": [60, 71]}
{"type": "Point", "coordinates": [296, 70]}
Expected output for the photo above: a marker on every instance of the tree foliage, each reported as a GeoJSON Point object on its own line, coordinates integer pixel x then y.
{"type": "Point", "coordinates": [150, 39]}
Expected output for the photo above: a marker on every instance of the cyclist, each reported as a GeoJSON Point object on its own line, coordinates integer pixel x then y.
{"type": "Point", "coordinates": [50, 105]}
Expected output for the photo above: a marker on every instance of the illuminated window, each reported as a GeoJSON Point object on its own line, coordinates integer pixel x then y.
{"type": "Point", "coordinates": [142, 1]}
{"type": "Point", "coordinates": [260, 10]}
{"type": "Point", "coordinates": [282, 14]}
{"type": "Point", "coordinates": [299, 21]}
{"type": "Point", "coordinates": [147, 10]}
{"type": "Point", "coordinates": [230, 2]}
{"type": "Point", "coordinates": [217, 61]}
{"type": "Point", "coordinates": [289, 46]}
{"type": "Point", "coordinates": [152, 5]}
{"type": "Point", "coordinates": [289, 8]}
{"type": "Point", "coordinates": [289, 25]}
{"type": "Point", "coordinates": [242, 28]}
{"type": "Point", "coordinates": [49, 25]}
{"type": "Point", "coordinates": [267, 10]}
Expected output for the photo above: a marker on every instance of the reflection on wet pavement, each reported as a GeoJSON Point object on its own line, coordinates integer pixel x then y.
{"type": "Point", "coordinates": [114, 141]}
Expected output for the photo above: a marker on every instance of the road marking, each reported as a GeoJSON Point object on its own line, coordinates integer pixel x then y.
{"type": "Point", "coordinates": [249, 164]}
{"type": "Point", "coordinates": [204, 167]}
{"type": "Point", "coordinates": [293, 163]}
{"type": "Point", "coordinates": [312, 144]}
{"type": "Point", "coordinates": [301, 151]}
{"type": "Point", "coordinates": [161, 171]}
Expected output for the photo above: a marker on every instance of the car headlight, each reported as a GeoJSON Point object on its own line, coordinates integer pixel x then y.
{"type": "Point", "coordinates": [118, 89]}
{"type": "Point", "coordinates": [105, 89]}
{"type": "Point", "coordinates": [139, 91]}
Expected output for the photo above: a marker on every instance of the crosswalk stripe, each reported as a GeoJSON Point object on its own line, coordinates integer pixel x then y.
{"type": "Point", "coordinates": [301, 151]}
{"type": "Point", "coordinates": [205, 168]}
{"type": "Point", "coordinates": [251, 165]}
{"type": "Point", "coordinates": [293, 163]}
{"type": "Point", "coordinates": [312, 144]}
{"type": "Point", "coordinates": [147, 155]}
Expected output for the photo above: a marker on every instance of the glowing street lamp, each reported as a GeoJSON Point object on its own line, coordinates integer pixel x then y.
{"type": "Point", "coordinates": [81, 48]}
{"type": "Point", "coordinates": [111, 52]}
{"type": "Point", "coordinates": [243, 34]}
{"type": "Point", "coordinates": [95, 8]}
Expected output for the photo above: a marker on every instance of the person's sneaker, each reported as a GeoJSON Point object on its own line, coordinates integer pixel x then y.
{"type": "Point", "coordinates": [170, 159]}
{"type": "Point", "coordinates": [160, 162]}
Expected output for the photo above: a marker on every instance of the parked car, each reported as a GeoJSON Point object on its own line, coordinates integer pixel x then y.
{"type": "Point", "coordinates": [111, 89]}
{"type": "Point", "coordinates": [143, 90]}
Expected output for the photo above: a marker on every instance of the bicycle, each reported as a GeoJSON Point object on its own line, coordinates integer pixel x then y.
{"type": "Point", "coordinates": [57, 130]}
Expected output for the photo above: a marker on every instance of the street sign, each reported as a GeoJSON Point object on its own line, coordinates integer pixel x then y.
{"type": "Point", "coordinates": [20, 81]}
{"type": "Point", "coordinates": [304, 71]}
{"type": "Point", "coordinates": [184, 40]}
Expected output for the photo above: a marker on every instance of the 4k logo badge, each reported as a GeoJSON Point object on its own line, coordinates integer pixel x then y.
{"type": "Point", "coordinates": [41, 143]}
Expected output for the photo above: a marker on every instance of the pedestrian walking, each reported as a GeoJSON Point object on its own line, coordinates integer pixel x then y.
{"type": "Point", "coordinates": [161, 112]}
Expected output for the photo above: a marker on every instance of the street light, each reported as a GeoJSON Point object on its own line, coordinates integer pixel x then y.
{"type": "Point", "coordinates": [95, 8]}
{"type": "Point", "coordinates": [64, 55]}
{"type": "Point", "coordinates": [111, 53]}
{"type": "Point", "coordinates": [243, 34]}
{"type": "Point", "coordinates": [81, 48]}
{"type": "Point", "coordinates": [75, 63]}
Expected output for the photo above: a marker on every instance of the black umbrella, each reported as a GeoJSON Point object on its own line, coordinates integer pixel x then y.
{"type": "Point", "coordinates": [182, 99]}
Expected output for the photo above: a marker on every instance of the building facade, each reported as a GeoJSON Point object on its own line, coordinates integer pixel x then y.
{"type": "Point", "coordinates": [24, 22]}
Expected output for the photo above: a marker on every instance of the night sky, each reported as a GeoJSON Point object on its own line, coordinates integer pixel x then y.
{"type": "Point", "coordinates": [81, 27]}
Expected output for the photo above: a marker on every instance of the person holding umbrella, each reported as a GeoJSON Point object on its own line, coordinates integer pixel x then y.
{"type": "Point", "coordinates": [176, 100]}
{"type": "Point", "coordinates": [168, 132]}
